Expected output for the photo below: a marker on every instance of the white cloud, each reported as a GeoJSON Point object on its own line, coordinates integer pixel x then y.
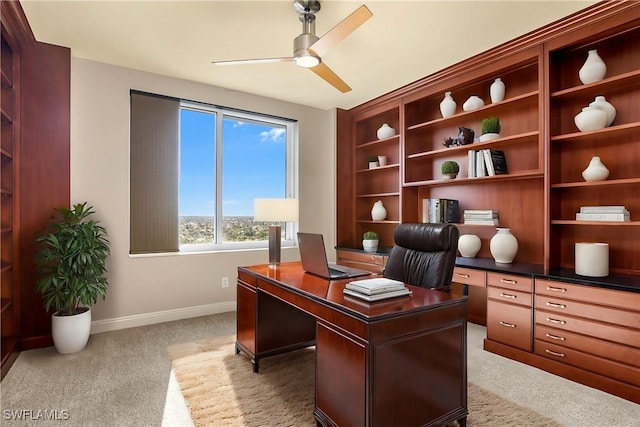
{"type": "Point", "coordinates": [274, 134]}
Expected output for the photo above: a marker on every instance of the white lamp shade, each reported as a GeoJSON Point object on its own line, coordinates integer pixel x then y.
{"type": "Point", "coordinates": [277, 210]}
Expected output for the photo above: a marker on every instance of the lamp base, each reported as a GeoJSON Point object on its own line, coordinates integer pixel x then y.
{"type": "Point", "coordinates": [275, 233]}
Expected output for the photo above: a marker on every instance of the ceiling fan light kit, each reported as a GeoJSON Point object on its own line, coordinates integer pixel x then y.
{"type": "Point", "coordinates": [308, 49]}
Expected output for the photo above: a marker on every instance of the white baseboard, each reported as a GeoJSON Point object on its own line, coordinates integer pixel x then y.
{"type": "Point", "coordinates": [160, 316]}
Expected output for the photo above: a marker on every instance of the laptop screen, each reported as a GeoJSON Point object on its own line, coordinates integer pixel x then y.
{"type": "Point", "coordinates": [312, 254]}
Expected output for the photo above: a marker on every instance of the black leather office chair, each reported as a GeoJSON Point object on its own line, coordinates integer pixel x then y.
{"type": "Point", "coordinates": [423, 254]}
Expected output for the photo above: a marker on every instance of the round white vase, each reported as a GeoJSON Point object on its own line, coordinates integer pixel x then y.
{"type": "Point", "coordinates": [469, 245]}
{"type": "Point", "coordinates": [590, 118]}
{"type": "Point", "coordinates": [503, 246]}
{"type": "Point", "coordinates": [385, 131]}
{"type": "Point", "coordinates": [496, 91]}
{"type": "Point", "coordinates": [378, 212]}
{"type": "Point", "coordinates": [602, 103]}
{"type": "Point", "coordinates": [71, 333]}
{"type": "Point", "coordinates": [594, 69]}
{"type": "Point", "coordinates": [596, 171]}
{"type": "Point", "coordinates": [370, 245]}
{"type": "Point", "coordinates": [448, 105]}
{"type": "Point", "coordinates": [472, 103]}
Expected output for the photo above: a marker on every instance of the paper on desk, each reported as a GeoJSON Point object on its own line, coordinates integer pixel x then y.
{"type": "Point", "coordinates": [378, 282]}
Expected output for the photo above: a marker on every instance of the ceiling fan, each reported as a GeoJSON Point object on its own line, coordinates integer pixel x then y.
{"type": "Point", "coordinates": [308, 48]}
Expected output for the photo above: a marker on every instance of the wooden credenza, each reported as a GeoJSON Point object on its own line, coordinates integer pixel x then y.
{"type": "Point", "coordinates": [376, 363]}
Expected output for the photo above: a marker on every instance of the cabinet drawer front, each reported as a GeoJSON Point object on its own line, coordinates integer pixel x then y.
{"type": "Point", "coordinates": [617, 334]}
{"type": "Point", "coordinates": [361, 257]}
{"type": "Point", "coordinates": [610, 297]}
{"type": "Point", "coordinates": [599, 365]}
{"type": "Point", "coordinates": [469, 276]}
{"type": "Point", "coordinates": [247, 278]}
{"type": "Point", "coordinates": [616, 316]}
{"type": "Point", "coordinates": [510, 296]}
{"type": "Point", "coordinates": [519, 283]}
{"type": "Point", "coordinates": [509, 324]}
{"type": "Point", "coordinates": [597, 347]}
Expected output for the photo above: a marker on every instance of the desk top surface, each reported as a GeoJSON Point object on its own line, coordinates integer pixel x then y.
{"type": "Point", "coordinates": [291, 276]}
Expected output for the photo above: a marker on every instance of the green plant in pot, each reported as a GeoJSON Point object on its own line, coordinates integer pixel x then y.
{"type": "Point", "coordinates": [370, 241]}
{"type": "Point", "coordinates": [450, 169]}
{"type": "Point", "coordinates": [71, 261]}
{"type": "Point", "coordinates": [490, 129]}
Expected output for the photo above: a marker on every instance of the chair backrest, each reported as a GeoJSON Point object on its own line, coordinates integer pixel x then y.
{"type": "Point", "coordinates": [423, 254]}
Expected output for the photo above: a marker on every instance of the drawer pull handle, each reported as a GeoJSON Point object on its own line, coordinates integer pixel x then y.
{"type": "Point", "coordinates": [554, 353]}
{"type": "Point", "coordinates": [502, 294]}
{"type": "Point", "coordinates": [466, 276]}
{"type": "Point", "coordinates": [559, 322]}
{"type": "Point", "coordinates": [509, 325]}
{"type": "Point", "coordinates": [554, 289]}
{"type": "Point", "coordinates": [509, 282]}
{"type": "Point", "coordinates": [554, 337]}
{"type": "Point", "coordinates": [556, 305]}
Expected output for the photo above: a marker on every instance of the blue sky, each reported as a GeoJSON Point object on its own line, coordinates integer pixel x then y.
{"type": "Point", "coordinates": [253, 166]}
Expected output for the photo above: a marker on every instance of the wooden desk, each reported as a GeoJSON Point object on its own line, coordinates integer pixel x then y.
{"type": "Point", "coordinates": [400, 362]}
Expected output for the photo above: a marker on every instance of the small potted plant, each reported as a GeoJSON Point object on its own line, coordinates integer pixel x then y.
{"type": "Point", "coordinates": [71, 261]}
{"type": "Point", "coordinates": [370, 241]}
{"type": "Point", "coordinates": [490, 129]}
{"type": "Point", "coordinates": [450, 169]}
{"type": "Point", "coordinates": [373, 161]}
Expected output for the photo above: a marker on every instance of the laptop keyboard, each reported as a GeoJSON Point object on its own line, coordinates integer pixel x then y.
{"type": "Point", "coordinates": [336, 273]}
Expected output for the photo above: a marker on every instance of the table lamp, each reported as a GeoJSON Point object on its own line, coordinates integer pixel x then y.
{"type": "Point", "coordinates": [275, 210]}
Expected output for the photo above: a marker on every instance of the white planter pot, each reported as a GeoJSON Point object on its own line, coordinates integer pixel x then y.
{"type": "Point", "coordinates": [370, 245]}
{"type": "Point", "coordinates": [592, 259]}
{"type": "Point", "coordinates": [489, 137]}
{"type": "Point", "coordinates": [71, 333]}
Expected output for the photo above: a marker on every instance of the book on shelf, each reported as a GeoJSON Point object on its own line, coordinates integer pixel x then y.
{"type": "Point", "coordinates": [481, 221]}
{"type": "Point", "coordinates": [377, 297]}
{"type": "Point", "coordinates": [496, 162]}
{"type": "Point", "coordinates": [472, 163]}
{"type": "Point", "coordinates": [604, 210]}
{"type": "Point", "coordinates": [440, 210]}
{"type": "Point", "coordinates": [480, 214]}
{"type": "Point", "coordinates": [614, 217]}
{"type": "Point", "coordinates": [480, 165]}
{"type": "Point", "coordinates": [374, 286]}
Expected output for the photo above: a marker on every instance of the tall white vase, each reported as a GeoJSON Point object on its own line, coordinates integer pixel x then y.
{"type": "Point", "coordinates": [602, 103]}
{"type": "Point", "coordinates": [503, 246]}
{"type": "Point", "coordinates": [596, 171]}
{"type": "Point", "coordinates": [496, 91]}
{"type": "Point", "coordinates": [378, 212]}
{"type": "Point", "coordinates": [594, 69]}
{"type": "Point", "coordinates": [448, 105]}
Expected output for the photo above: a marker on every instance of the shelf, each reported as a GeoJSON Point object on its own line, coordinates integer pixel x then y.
{"type": "Point", "coordinates": [6, 81]}
{"type": "Point", "coordinates": [6, 267]}
{"type": "Point", "coordinates": [456, 117]}
{"type": "Point", "coordinates": [592, 223]}
{"type": "Point", "coordinates": [496, 143]}
{"type": "Point", "coordinates": [370, 221]}
{"type": "Point", "coordinates": [5, 117]}
{"type": "Point", "coordinates": [597, 134]}
{"type": "Point", "coordinates": [5, 304]}
{"type": "Point", "coordinates": [465, 181]}
{"type": "Point", "coordinates": [377, 195]}
{"type": "Point", "coordinates": [597, 183]}
{"type": "Point", "coordinates": [389, 166]}
{"type": "Point", "coordinates": [378, 141]}
{"type": "Point", "coordinates": [5, 192]}
{"type": "Point", "coordinates": [611, 84]}
{"type": "Point", "coordinates": [5, 154]}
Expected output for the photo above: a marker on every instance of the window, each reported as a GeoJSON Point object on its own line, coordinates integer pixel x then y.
{"type": "Point", "coordinates": [220, 160]}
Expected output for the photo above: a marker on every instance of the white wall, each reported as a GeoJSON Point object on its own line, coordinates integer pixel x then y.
{"type": "Point", "coordinates": [145, 290]}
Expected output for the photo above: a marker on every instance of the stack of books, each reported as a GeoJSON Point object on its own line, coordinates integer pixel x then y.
{"type": "Point", "coordinates": [487, 162]}
{"type": "Point", "coordinates": [440, 210]}
{"type": "Point", "coordinates": [603, 213]}
{"type": "Point", "coordinates": [481, 216]}
{"type": "Point", "coordinates": [376, 289]}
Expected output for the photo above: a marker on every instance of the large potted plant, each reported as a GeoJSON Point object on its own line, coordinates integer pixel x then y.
{"type": "Point", "coordinates": [71, 261]}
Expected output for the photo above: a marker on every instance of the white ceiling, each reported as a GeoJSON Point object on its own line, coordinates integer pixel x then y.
{"type": "Point", "coordinates": [403, 41]}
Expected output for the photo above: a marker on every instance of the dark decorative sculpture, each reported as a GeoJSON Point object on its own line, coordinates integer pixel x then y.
{"type": "Point", "coordinates": [465, 137]}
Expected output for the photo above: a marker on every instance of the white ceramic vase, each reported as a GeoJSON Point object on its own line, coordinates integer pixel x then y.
{"type": "Point", "coordinates": [594, 69]}
{"type": "Point", "coordinates": [496, 91]}
{"type": "Point", "coordinates": [590, 118]}
{"type": "Point", "coordinates": [602, 103]}
{"type": "Point", "coordinates": [370, 245]}
{"type": "Point", "coordinates": [385, 131]}
{"type": "Point", "coordinates": [448, 105]}
{"type": "Point", "coordinates": [378, 212]}
{"type": "Point", "coordinates": [472, 103]}
{"type": "Point", "coordinates": [596, 171]}
{"type": "Point", "coordinates": [469, 245]}
{"type": "Point", "coordinates": [503, 246]}
{"type": "Point", "coordinates": [592, 259]}
{"type": "Point", "coordinates": [71, 333]}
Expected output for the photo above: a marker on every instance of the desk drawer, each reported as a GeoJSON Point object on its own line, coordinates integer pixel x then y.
{"type": "Point", "coordinates": [469, 276]}
{"type": "Point", "coordinates": [372, 262]}
{"type": "Point", "coordinates": [612, 315]}
{"type": "Point", "coordinates": [509, 324]}
{"type": "Point", "coordinates": [510, 281]}
{"type": "Point", "coordinates": [609, 297]}
{"type": "Point", "coordinates": [509, 296]}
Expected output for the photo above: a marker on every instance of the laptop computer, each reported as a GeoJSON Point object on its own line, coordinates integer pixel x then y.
{"type": "Point", "coordinates": [314, 259]}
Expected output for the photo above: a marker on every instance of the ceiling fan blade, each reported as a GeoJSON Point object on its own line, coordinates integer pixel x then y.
{"type": "Point", "coordinates": [330, 77]}
{"type": "Point", "coordinates": [253, 61]}
{"type": "Point", "coordinates": [342, 30]}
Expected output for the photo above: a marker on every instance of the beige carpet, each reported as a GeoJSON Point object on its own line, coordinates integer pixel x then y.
{"type": "Point", "coordinates": [220, 389]}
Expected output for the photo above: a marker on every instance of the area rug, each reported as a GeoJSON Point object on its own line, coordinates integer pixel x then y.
{"type": "Point", "coordinates": [220, 389]}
